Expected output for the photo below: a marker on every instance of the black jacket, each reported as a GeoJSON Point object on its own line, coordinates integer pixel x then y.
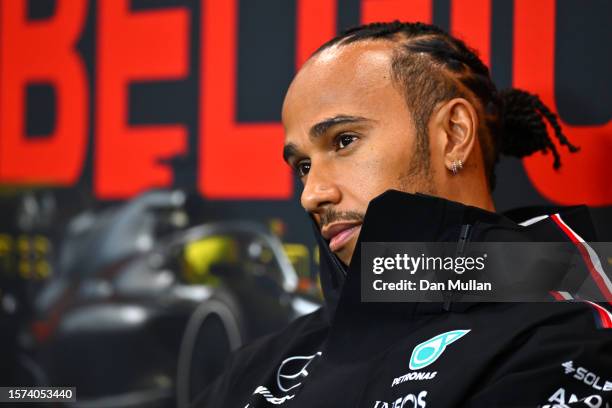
{"type": "Point", "coordinates": [354, 354]}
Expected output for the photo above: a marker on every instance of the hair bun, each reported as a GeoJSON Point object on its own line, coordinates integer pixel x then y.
{"type": "Point", "coordinates": [524, 130]}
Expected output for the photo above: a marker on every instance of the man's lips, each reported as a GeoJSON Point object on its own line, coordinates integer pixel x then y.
{"type": "Point", "coordinates": [339, 233]}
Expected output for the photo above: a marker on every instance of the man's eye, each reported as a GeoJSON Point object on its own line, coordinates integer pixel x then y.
{"type": "Point", "coordinates": [342, 141]}
{"type": "Point", "coordinates": [302, 168]}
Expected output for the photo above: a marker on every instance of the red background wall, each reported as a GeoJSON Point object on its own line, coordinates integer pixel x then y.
{"type": "Point", "coordinates": [108, 98]}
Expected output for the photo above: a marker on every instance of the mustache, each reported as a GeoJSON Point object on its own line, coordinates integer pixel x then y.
{"type": "Point", "coordinates": [330, 215]}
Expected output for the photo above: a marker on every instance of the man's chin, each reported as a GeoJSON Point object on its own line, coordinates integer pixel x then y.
{"type": "Point", "coordinates": [345, 254]}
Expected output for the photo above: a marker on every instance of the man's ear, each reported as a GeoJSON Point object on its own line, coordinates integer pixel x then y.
{"type": "Point", "coordinates": [457, 127]}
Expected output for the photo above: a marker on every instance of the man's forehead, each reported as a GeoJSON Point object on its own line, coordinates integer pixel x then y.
{"type": "Point", "coordinates": [345, 75]}
{"type": "Point", "coordinates": [364, 61]}
{"type": "Point", "coordinates": [366, 53]}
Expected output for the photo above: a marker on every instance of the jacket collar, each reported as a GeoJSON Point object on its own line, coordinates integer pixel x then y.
{"type": "Point", "coordinates": [396, 216]}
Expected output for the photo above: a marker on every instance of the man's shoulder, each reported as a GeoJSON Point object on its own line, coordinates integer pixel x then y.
{"type": "Point", "coordinates": [250, 365]}
{"type": "Point", "coordinates": [564, 320]}
{"type": "Point", "coordinates": [312, 326]}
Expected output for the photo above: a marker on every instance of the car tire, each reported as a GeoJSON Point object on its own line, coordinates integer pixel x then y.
{"type": "Point", "coordinates": [213, 331]}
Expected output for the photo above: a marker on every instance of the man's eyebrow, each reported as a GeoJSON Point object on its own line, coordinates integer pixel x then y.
{"type": "Point", "coordinates": [323, 126]}
{"type": "Point", "coordinates": [290, 150]}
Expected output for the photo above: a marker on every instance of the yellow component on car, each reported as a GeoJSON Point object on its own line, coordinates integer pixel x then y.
{"type": "Point", "coordinates": [200, 255]}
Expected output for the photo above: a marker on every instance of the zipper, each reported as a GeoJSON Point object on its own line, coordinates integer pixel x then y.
{"type": "Point", "coordinates": [464, 238]}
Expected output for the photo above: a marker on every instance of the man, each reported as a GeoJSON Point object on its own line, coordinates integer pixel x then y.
{"type": "Point", "coordinates": [394, 130]}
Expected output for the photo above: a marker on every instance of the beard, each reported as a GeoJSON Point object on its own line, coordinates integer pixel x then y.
{"type": "Point", "coordinates": [330, 215]}
{"type": "Point", "coordinates": [418, 177]}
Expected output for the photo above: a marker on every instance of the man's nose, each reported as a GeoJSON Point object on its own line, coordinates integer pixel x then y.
{"type": "Point", "coordinates": [320, 191]}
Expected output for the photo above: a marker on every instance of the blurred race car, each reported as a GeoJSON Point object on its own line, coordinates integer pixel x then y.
{"type": "Point", "coordinates": [136, 319]}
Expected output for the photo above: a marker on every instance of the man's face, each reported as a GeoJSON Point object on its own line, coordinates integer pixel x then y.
{"type": "Point", "coordinates": [350, 137]}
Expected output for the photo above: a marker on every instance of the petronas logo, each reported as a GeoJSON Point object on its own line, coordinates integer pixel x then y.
{"type": "Point", "coordinates": [429, 351]}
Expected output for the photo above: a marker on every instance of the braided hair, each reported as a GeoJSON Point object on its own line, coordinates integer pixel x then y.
{"type": "Point", "coordinates": [431, 67]}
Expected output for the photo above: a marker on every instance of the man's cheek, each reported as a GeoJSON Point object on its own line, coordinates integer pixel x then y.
{"type": "Point", "coordinates": [368, 179]}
